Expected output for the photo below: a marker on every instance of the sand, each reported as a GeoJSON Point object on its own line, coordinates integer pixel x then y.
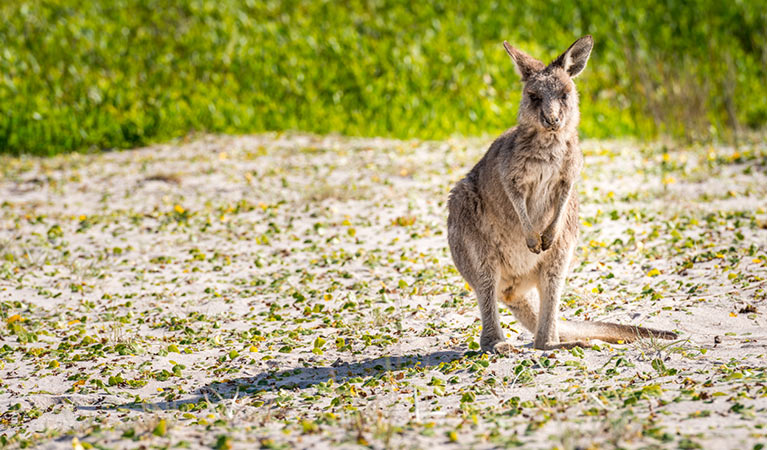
{"type": "Point", "coordinates": [297, 291]}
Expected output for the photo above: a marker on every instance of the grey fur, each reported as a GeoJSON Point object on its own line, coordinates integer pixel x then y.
{"type": "Point", "coordinates": [513, 220]}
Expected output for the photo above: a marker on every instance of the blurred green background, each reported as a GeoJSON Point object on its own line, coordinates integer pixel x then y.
{"type": "Point", "coordinates": [87, 74]}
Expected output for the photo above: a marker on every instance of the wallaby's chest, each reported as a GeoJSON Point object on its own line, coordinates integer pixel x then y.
{"type": "Point", "coordinates": [541, 181]}
{"type": "Point", "coordinates": [539, 178]}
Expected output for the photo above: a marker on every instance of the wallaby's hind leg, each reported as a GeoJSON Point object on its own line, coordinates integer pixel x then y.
{"type": "Point", "coordinates": [551, 281]}
{"type": "Point", "coordinates": [475, 262]}
{"type": "Point", "coordinates": [520, 300]}
{"type": "Point", "coordinates": [491, 339]}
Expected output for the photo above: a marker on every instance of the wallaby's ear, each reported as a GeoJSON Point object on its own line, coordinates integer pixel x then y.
{"type": "Point", "coordinates": [526, 65]}
{"type": "Point", "coordinates": [574, 59]}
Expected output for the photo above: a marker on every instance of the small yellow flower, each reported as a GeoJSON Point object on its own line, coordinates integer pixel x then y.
{"type": "Point", "coordinates": [653, 273]}
{"type": "Point", "coordinates": [14, 318]}
{"type": "Point", "coordinates": [179, 209]}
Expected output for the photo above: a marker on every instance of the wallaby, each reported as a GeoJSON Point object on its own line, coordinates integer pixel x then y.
{"type": "Point", "coordinates": [513, 220]}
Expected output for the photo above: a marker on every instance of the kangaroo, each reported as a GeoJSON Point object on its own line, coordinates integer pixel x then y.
{"type": "Point", "coordinates": [513, 220]}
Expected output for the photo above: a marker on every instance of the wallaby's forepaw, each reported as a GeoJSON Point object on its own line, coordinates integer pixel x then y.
{"type": "Point", "coordinates": [534, 243]}
{"type": "Point", "coordinates": [499, 347]}
{"type": "Point", "coordinates": [546, 240]}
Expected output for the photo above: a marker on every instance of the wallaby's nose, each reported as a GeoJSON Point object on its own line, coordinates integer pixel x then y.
{"type": "Point", "coordinates": [551, 122]}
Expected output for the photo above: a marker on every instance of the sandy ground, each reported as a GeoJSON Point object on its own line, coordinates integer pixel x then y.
{"type": "Point", "coordinates": [297, 291]}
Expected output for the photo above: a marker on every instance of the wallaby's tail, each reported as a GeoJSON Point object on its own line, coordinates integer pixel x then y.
{"type": "Point", "coordinates": [609, 332]}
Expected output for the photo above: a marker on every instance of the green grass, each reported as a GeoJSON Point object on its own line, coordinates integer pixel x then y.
{"type": "Point", "coordinates": [114, 74]}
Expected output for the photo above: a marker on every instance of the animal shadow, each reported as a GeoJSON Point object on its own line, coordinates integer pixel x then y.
{"type": "Point", "coordinates": [297, 378]}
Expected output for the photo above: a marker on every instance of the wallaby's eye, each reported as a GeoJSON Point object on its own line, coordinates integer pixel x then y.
{"type": "Point", "coordinates": [534, 98]}
{"type": "Point", "coordinates": [564, 96]}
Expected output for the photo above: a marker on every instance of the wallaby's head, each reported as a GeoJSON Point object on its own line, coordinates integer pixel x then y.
{"type": "Point", "coordinates": [549, 100]}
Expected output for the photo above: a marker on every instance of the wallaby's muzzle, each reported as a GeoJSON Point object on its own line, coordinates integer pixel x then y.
{"type": "Point", "coordinates": [551, 123]}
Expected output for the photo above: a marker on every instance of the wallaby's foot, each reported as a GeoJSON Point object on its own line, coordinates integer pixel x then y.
{"type": "Point", "coordinates": [501, 347]}
{"type": "Point", "coordinates": [493, 342]}
{"type": "Point", "coordinates": [534, 243]}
